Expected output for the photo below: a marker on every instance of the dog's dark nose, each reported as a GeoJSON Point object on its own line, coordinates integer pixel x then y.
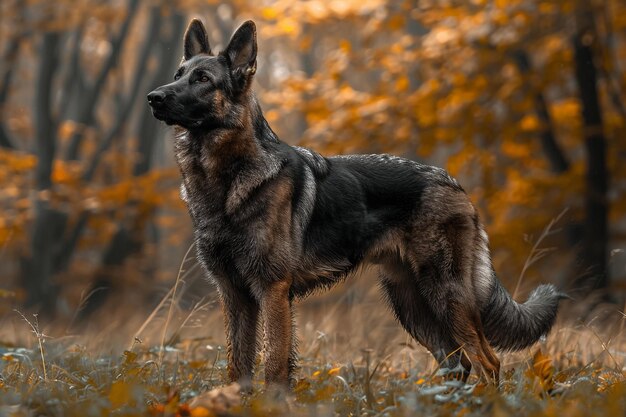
{"type": "Point", "coordinates": [156, 97]}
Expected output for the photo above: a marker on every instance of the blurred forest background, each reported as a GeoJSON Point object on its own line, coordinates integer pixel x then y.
{"type": "Point", "coordinates": [524, 101]}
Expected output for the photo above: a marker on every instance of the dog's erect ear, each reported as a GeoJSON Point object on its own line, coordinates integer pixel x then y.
{"type": "Point", "coordinates": [241, 54]}
{"type": "Point", "coordinates": [196, 40]}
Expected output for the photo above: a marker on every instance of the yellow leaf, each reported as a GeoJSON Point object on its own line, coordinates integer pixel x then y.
{"type": "Point", "coordinates": [529, 123]}
{"type": "Point", "coordinates": [402, 83]}
{"type": "Point", "coordinates": [67, 129]}
{"type": "Point", "coordinates": [543, 370]}
{"type": "Point", "coordinates": [201, 412]}
{"type": "Point", "coordinates": [566, 110]}
{"type": "Point", "coordinates": [396, 22]}
{"type": "Point", "coordinates": [64, 173]}
{"type": "Point", "coordinates": [516, 150]}
{"type": "Point", "coordinates": [345, 46]}
{"type": "Point", "coordinates": [269, 13]}
{"type": "Point", "coordinates": [288, 26]}
{"type": "Point", "coordinates": [120, 394]}
{"type": "Point", "coordinates": [334, 371]}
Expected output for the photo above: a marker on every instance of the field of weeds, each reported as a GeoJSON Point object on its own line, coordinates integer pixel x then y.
{"type": "Point", "coordinates": [355, 361]}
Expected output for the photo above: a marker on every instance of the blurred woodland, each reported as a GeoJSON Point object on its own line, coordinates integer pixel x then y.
{"type": "Point", "coordinates": [524, 101]}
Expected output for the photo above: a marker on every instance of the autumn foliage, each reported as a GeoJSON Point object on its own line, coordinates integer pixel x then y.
{"type": "Point", "coordinates": [524, 101]}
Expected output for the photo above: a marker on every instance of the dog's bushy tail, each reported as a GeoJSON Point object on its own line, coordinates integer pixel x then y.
{"type": "Point", "coordinates": [509, 325]}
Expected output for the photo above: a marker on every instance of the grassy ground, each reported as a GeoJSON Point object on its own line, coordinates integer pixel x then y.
{"type": "Point", "coordinates": [355, 362]}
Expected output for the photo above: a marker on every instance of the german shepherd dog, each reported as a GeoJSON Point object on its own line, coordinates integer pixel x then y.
{"type": "Point", "coordinates": [275, 222]}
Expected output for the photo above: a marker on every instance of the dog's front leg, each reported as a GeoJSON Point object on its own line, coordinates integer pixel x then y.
{"type": "Point", "coordinates": [276, 310]}
{"type": "Point", "coordinates": [241, 314]}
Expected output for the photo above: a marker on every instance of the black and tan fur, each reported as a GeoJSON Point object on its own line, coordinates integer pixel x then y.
{"type": "Point", "coordinates": [274, 223]}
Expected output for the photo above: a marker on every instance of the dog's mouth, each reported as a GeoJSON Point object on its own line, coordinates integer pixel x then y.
{"type": "Point", "coordinates": [170, 121]}
{"type": "Point", "coordinates": [162, 116]}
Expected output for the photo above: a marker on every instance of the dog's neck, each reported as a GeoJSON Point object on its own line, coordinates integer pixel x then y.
{"type": "Point", "coordinates": [238, 139]}
{"type": "Point", "coordinates": [262, 130]}
{"type": "Point", "coordinates": [238, 158]}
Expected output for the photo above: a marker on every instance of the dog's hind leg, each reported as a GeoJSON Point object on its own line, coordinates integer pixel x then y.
{"type": "Point", "coordinates": [446, 281]}
{"type": "Point", "coordinates": [413, 311]}
{"type": "Point", "coordinates": [466, 329]}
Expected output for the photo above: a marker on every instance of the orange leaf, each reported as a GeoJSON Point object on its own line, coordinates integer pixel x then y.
{"type": "Point", "coordinates": [201, 412]}
{"type": "Point", "coordinates": [543, 370]}
{"type": "Point", "coordinates": [120, 394]}
{"type": "Point", "coordinates": [334, 371]}
{"type": "Point", "coordinates": [529, 123]}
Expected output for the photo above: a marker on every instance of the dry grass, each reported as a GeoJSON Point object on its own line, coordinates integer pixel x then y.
{"type": "Point", "coordinates": [356, 361]}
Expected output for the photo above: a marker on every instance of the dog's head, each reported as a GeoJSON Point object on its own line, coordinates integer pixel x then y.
{"type": "Point", "coordinates": [207, 88]}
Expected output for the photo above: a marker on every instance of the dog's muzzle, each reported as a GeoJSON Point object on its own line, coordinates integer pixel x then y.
{"type": "Point", "coordinates": [156, 99]}
{"type": "Point", "coordinates": [160, 101]}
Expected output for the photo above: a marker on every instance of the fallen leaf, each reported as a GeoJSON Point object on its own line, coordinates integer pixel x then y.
{"type": "Point", "coordinates": [218, 401]}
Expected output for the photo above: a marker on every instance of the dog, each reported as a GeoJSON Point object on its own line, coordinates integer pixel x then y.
{"type": "Point", "coordinates": [275, 222]}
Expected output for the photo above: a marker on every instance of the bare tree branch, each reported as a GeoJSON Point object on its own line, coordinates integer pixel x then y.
{"type": "Point", "coordinates": [71, 84]}
{"type": "Point", "coordinates": [551, 148]}
{"type": "Point", "coordinates": [147, 131]}
{"type": "Point", "coordinates": [126, 108]}
{"type": "Point", "coordinates": [88, 104]}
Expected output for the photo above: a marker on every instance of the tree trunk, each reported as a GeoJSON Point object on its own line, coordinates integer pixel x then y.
{"type": "Point", "coordinates": [49, 223]}
{"type": "Point", "coordinates": [595, 241]}
{"type": "Point", "coordinates": [8, 69]}
{"type": "Point", "coordinates": [9, 60]}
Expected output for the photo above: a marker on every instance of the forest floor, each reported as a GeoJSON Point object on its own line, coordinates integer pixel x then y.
{"type": "Point", "coordinates": [355, 361]}
{"type": "Point", "coordinates": [179, 381]}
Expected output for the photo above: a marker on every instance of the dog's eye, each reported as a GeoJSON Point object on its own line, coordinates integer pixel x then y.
{"type": "Point", "coordinates": [176, 77]}
{"type": "Point", "coordinates": [204, 79]}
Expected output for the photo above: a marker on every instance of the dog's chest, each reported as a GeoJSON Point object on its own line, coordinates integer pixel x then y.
{"type": "Point", "coordinates": [218, 238]}
{"type": "Point", "coordinates": [238, 218]}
